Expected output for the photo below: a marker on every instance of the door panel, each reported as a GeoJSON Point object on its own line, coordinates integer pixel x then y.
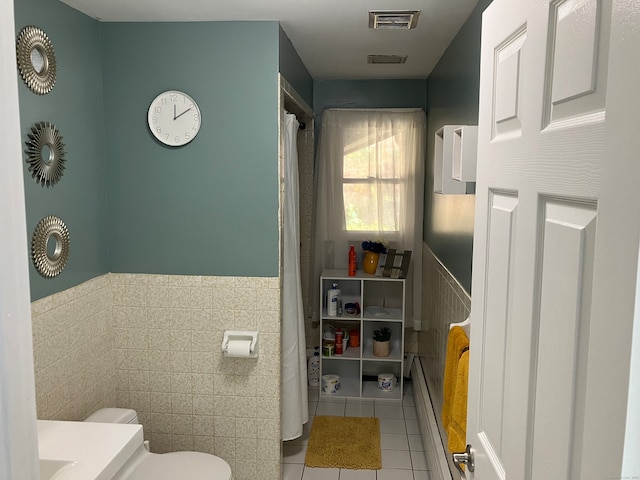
{"type": "Point", "coordinates": [502, 219]}
{"type": "Point", "coordinates": [568, 240]}
{"type": "Point", "coordinates": [576, 61]}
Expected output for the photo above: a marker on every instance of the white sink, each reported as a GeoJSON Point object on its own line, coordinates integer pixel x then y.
{"type": "Point", "coordinates": [54, 469]}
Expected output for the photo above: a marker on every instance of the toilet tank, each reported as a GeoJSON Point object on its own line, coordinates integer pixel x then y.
{"type": "Point", "coordinates": [113, 415]}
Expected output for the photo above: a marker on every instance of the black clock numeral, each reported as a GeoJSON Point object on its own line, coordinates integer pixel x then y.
{"type": "Point", "coordinates": [155, 119]}
{"type": "Point", "coordinates": [177, 138]}
{"type": "Point", "coordinates": [158, 109]}
{"type": "Point", "coordinates": [166, 136]}
{"type": "Point", "coordinates": [158, 129]}
{"type": "Point", "coordinates": [195, 117]}
{"type": "Point", "coordinates": [174, 97]}
{"type": "Point", "coordinates": [186, 135]}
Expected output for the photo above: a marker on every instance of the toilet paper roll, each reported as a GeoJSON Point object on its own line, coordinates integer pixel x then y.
{"type": "Point", "coordinates": [330, 384]}
{"type": "Point", "coordinates": [387, 382]}
{"type": "Point", "coordinates": [238, 348]}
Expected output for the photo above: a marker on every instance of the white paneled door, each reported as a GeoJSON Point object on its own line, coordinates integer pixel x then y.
{"type": "Point", "coordinates": [556, 239]}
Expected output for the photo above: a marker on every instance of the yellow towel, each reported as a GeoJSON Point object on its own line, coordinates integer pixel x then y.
{"type": "Point", "coordinates": [456, 344]}
{"type": "Point", "coordinates": [458, 426]}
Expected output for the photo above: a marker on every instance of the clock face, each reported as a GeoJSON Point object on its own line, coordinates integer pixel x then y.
{"type": "Point", "coordinates": [174, 118]}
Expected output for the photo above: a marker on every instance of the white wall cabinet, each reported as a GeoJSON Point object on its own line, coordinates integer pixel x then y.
{"type": "Point", "coordinates": [382, 304]}
{"type": "Point", "coordinates": [455, 159]}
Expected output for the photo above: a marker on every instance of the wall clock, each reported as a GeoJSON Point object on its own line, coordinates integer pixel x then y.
{"type": "Point", "coordinates": [36, 60]}
{"type": "Point", "coordinates": [174, 118]}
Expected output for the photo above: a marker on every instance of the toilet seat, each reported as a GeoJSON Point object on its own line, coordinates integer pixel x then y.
{"type": "Point", "coordinates": [178, 465]}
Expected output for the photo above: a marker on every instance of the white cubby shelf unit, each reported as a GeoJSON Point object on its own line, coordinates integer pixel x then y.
{"type": "Point", "coordinates": [382, 304]}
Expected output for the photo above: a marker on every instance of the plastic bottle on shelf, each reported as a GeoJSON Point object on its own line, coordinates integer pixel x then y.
{"type": "Point", "coordinates": [313, 368]}
{"type": "Point", "coordinates": [333, 300]}
{"type": "Point", "coordinates": [352, 261]}
{"type": "Point", "coordinates": [339, 338]}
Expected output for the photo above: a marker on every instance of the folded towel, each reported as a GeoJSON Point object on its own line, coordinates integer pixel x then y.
{"type": "Point", "coordinates": [458, 427]}
{"type": "Point", "coordinates": [456, 343]}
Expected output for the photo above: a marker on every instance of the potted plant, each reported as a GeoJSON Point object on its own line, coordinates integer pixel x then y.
{"type": "Point", "coordinates": [372, 251]}
{"type": "Point", "coordinates": [381, 345]}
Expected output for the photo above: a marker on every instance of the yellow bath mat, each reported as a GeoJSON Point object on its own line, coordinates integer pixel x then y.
{"type": "Point", "coordinates": [457, 342]}
{"type": "Point", "coordinates": [344, 442]}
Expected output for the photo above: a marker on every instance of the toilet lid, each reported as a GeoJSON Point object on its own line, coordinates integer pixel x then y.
{"type": "Point", "coordinates": [181, 466]}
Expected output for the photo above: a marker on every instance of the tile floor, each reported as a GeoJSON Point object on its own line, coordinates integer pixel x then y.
{"type": "Point", "coordinates": [403, 455]}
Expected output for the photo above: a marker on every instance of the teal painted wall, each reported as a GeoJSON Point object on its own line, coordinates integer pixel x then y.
{"type": "Point", "coordinates": [75, 107]}
{"type": "Point", "coordinates": [292, 68]}
{"type": "Point", "coordinates": [211, 207]}
{"type": "Point", "coordinates": [453, 93]}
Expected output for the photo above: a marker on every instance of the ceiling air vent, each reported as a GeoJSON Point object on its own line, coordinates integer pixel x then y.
{"type": "Point", "coordinates": [386, 58]}
{"type": "Point", "coordinates": [393, 19]}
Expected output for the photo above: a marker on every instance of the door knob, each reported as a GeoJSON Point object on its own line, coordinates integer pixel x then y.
{"type": "Point", "coordinates": [465, 458]}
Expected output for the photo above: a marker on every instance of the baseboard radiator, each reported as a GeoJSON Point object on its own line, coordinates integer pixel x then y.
{"type": "Point", "coordinates": [437, 457]}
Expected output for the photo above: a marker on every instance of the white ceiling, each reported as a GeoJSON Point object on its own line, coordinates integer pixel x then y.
{"type": "Point", "coordinates": [332, 37]}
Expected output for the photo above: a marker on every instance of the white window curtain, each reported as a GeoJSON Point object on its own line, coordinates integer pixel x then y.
{"type": "Point", "coordinates": [370, 186]}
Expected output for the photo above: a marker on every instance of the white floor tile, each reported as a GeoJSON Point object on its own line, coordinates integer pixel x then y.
{"type": "Point", "coordinates": [396, 459]}
{"type": "Point", "coordinates": [410, 412]}
{"type": "Point", "coordinates": [390, 474]}
{"type": "Point", "coordinates": [392, 425]}
{"type": "Point", "coordinates": [294, 453]}
{"type": "Point", "coordinates": [363, 410]}
{"type": "Point", "coordinates": [330, 408]}
{"type": "Point", "coordinates": [292, 471]}
{"type": "Point", "coordinates": [408, 399]}
{"type": "Point", "coordinates": [393, 441]}
{"type": "Point", "coordinates": [421, 475]}
{"type": "Point", "coordinates": [419, 461]}
{"type": "Point", "coordinates": [359, 401]}
{"type": "Point", "coordinates": [413, 427]}
{"type": "Point", "coordinates": [388, 411]}
{"type": "Point", "coordinates": [321, 473]}
{"type": "Point", "coordinates": [331, 399]}
{"type": "Point", "coordinates": [347, 474]}
{"type": "Point", "coordinates": [415, 443]}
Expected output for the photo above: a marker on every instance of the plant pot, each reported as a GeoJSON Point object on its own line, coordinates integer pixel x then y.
{"type": "Point", "coordinates": [381, 349]}
{"type": "Point", "coordinates": [370, 262]}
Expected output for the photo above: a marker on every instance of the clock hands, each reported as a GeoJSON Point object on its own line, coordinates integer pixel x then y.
{"type": "Point", "coordinates": [176, 117]}
{"type": "Point", "coordinates": [174, 111]}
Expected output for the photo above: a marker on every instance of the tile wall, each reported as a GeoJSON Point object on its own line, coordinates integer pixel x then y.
{"type": "Point", "coordinates": [73, 347]}
{"type": "Point", "coordinates": [444, 302]}
{"type": "Point", "coordinates": [152, 343]}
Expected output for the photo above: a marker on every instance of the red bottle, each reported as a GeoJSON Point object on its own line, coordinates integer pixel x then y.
{"type": "Point", "coordinates": [352, 261]}
{"type": "Point", "coordinates": [339, 338]}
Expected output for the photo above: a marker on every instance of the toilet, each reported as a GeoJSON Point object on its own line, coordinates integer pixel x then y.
{"type": "Point", "coordinates": [144, 465]}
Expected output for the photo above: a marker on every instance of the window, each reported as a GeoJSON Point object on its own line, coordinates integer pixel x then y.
{"type": "Point", "coordinates": [371, 188]}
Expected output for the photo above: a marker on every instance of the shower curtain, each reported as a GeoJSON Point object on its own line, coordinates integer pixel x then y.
{"type": "Point", "coordinates": [295, 409]}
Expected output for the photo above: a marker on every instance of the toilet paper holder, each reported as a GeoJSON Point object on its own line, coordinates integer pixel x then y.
{"type": "Point", "coordinates": [240, 338]}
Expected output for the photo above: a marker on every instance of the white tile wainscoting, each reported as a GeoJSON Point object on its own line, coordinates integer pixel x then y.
{"type": "Point", "coordinates": [152, 343]}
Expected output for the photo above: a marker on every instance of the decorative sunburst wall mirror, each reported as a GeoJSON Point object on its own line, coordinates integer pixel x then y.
{"type": "Point", "coordinates": [36, 60]}
{"type": "Point", "coordinates": [45, 154]}
{"type": "Point", "coordinates": [50, 246]}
